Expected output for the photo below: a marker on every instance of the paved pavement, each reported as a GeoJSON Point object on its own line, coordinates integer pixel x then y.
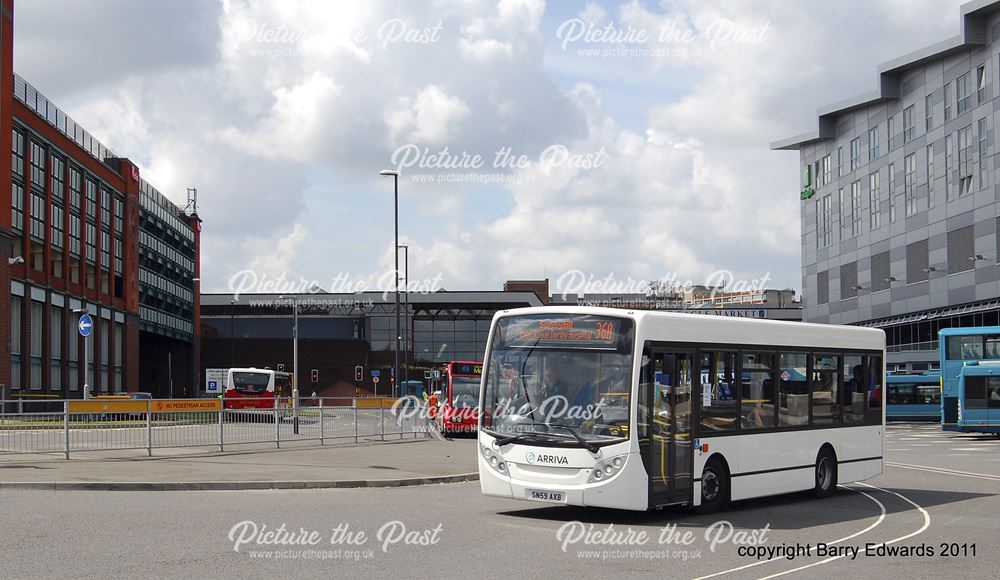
{"type": "Point", "coordinates": [405, 461]}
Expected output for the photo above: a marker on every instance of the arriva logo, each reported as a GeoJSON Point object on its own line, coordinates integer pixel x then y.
{"type": "Point", "coordinates": [530, 457]}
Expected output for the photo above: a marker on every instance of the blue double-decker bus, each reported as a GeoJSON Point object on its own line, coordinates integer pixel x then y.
{"type": "Point", "coordinates": [913, 397]}
{"type": "Point", "coordinates": [970, 379]}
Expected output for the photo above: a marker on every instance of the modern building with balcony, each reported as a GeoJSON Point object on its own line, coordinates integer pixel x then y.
{"type": "Point", "coordinates": [900, 216]}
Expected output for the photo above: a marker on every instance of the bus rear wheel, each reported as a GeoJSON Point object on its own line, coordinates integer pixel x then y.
{"type": "Point", "coordinates": [826, 473]}
{"type": "Point", "coordinates": [714, 487]}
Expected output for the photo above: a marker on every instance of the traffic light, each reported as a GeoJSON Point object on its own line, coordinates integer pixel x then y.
{"type": "Point", "coordinates": [315, 375]}
{"type": "Point", "coordinates": [359, 373]}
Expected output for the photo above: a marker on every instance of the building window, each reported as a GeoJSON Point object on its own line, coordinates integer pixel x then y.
{"type": "Point", "coordinates": [845, 219]}
{"type": "Point", "coordinates": [823, 287]}
{"type": "Point", "coordinates": [874, 204]}
{"type": "Point", "coordinates": [930, 176]}
{"type": "Point", "coordinates": [827, 170]}
{"type": "Point", "coordinates": [91, 194]}
{"type": "Point", "coordinates": [892, 192]}
{"type": "Point", "coordinates": [17, 151]}
{"type": "Point", "coordinates": [890, 132]}
{"type": "Point", "coordinates": [910, 183]}
{"type": "Point", "coordinates": [983, 150]}
{"type": "Point", "coordinates": [15, 342]}
{"type": "Point", "coordinates": [105, 208]}
{"type": "Point", "coordinates": [36, 345]}
{"type": "Point", "coordinates": [949, 166]}
{"type": "Point", "coordinates": [873, 143]}
{"type": "Point", "coordinates": [91, 243]}
{"type": "Point", "coordinates": [964, 87]}
{"type": "Point", "coordinates": [74, 189]}
{"type": "Point", "coordinates": [948, 96]}
{"type": "Point", "coordinates": [58, 171]}
{"type": "Point", "coordinates": [38, 166]}
{"type": "Point", "coordinates": [849, 281]}
{"type": "Point", "coordinates": [908, 124]}
{"type": "Point", "coordinates": [928, 113]}
{"type": "Point", "coordinates": [826, 221]}
{"type": "Point", "coordinates": [118, 255]}
{"type": "Point", "coordinates": [856, 208]}
{"type": "Point", "coordinates": [981, 83]}
{"type": "Point", "coordinates": [105, 249]}
{"type": "Point", "coordinates": [74, 234]}
{"type": "Point", "coordinates": [964, 160]}
{"type": "Point", "coordinates": [855, 153]}
{"type": "Point", "coordinates": [37, 215]}
{"type": "Point", "coordinates": [56, 328]}
{"type": "Point", "coordinates": [840, 161]}
{"type": "Point", "coordinates": [119, 214]}
{"type": "Point", "coordinates": [17, 206]}
{"type": "Point", "coordinates": [57, 226]}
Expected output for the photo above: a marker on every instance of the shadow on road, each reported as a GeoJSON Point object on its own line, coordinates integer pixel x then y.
{"type": "Point", "coordinates": [794, 511]}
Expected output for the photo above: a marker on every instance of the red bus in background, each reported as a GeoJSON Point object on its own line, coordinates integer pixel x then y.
{"type": "Point", "coordinates": [253, 388]}
{"type": "Point", "coordinates": [460, 396]}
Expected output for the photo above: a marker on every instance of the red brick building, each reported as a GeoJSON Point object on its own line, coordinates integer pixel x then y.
{"type": "Point", "coordinates": [86, 232]}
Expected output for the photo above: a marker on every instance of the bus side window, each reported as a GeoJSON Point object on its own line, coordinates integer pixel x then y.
{"type": "Point", "coordinates": [855, 389]}
{"type": "Point", "coordinates": [876, 381]}
{"type": "Point", "coordinates": [993, 347]}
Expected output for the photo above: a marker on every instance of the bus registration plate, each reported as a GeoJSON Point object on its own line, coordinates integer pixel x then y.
{"type": "Point", "coordinates": [547, 496]}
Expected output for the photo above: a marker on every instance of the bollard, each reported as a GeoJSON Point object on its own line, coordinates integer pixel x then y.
{"type": "Point", "coordinates": [149, 428]}
{"type": "Point", "coordinates": [66, 428]}
{"type": "Point", "coordinates": [355, 420]}
{"type": "Point", "coordinates": [381, 419]}
{"type": "Point", "coordinates": [321, 422]}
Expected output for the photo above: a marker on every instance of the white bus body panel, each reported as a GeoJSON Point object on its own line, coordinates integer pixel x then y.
{"type": "Point", "coordinates": [858, 451]}
{"type": "Point", "coordinates": [627, 489]}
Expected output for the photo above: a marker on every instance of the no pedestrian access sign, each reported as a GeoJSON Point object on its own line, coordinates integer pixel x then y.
{"type": "Point", "coordinates": [86, 325]}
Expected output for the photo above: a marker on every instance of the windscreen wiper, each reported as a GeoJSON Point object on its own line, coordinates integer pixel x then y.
{"type": "Point", "coordinates": [586, 444]}
{"type": "Point", "coordinates": [505, 439]}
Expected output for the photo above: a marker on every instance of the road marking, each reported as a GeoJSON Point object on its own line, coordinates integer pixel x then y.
{"type": "Point", "coordinates": [944, 471]}
{"type": "Point", "coordinates": [927, 524]}
{"type": "Point", "coordinates": [878, 521]}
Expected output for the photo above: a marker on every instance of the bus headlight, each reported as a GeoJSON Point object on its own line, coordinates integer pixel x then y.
{"type": "Point", "coordinates": [606, 469]}
{"type": "Point", "coordinates": [494, 460]}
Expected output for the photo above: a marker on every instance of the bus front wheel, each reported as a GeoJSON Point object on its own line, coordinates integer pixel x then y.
{"type": "Point", "coordinates": [714, 487]}
{"type": "Point", "coordinates": [826, 473]}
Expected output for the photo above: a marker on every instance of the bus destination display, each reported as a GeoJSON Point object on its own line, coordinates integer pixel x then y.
{"type": "Point", "coordinates": [586, 332]}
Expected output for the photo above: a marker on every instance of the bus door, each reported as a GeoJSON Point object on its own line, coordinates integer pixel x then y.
{"type": "Point", "coordinates": [669, 459]}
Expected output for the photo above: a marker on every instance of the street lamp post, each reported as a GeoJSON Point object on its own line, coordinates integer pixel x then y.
{"type": "Point", "coordinates": [406, 308]}
{"type": "Point", "coordinates": [295, 359]}
{"type": "Point", "coordinates": [232, 335]}
{"type": "Point", "coordinates": [395, 181]}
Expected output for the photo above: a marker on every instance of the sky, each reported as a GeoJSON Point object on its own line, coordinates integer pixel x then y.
{"type": "Point", "coordinates": [597, 144]}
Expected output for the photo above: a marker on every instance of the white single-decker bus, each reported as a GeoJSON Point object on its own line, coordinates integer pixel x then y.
{"type": "Point", "coordinates": [643, 409]}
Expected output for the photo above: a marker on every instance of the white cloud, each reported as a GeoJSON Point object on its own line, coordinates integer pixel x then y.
{"type": "Point", "coordinates": [687, 186]}
{"type": "Point", "coordinates": [274, 258]}
{"type": "Point", "coordinates": [431, 118]}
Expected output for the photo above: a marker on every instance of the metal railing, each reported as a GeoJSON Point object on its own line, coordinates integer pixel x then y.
{"type": "Point", "coordinates": [71, 426]}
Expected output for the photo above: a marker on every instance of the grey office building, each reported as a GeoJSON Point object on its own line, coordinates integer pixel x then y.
{"type": "Point", "coordinates": [900, 226]}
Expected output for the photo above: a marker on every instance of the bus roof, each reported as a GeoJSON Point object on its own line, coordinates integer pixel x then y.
{"type": "Point", "coordinates": [969, 330]}
{"type": "Point", "coordinates": [725, 329]}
